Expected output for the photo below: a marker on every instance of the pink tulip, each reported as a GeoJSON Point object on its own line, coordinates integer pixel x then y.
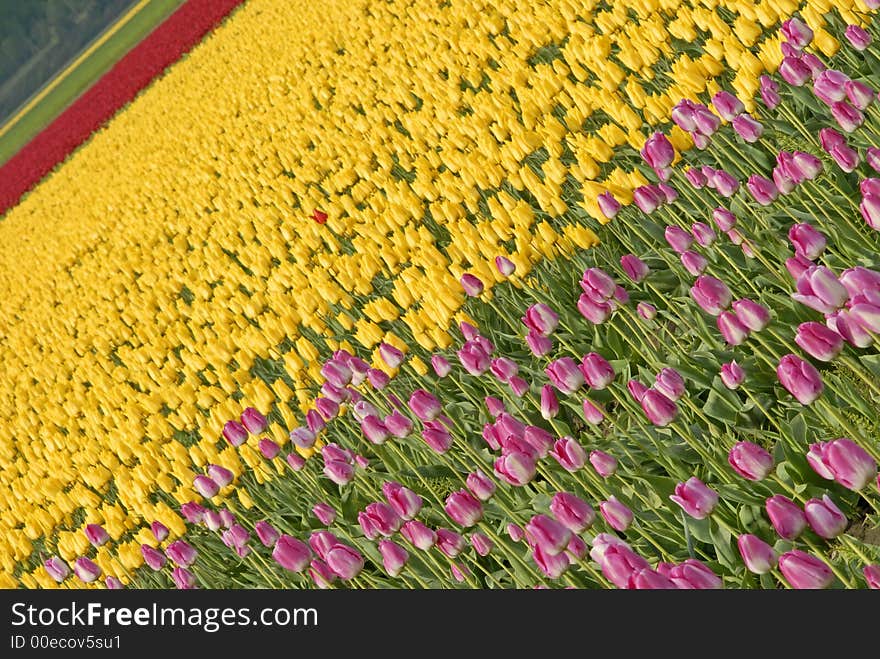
{"type": "Point", "coordinates": [235, 433]}
{"type": "Point", "coordinates": [670, 383]}
{"type": "Point", "coordinates": [338, 471]}
{"type": "Point", "coordinates": [481, 543]}
{"type": "Point", "coordinates": [572, 512]}
{"type": "Point", "coordinates": [295, 461]}
{"type": "Point", "coordinates": [254, 422]}
{"type": "Point", "coordinates": [799, 378]}
{"type": "Point", "coordinates": [727, 105]}
{"type": "Point", "coordinates": [424, 405]}
{"type": "Point", "coordinates": [733, 331]}
{"type": "Point", "coordinates": [634, 268]}
{"type": "Point", "coordinates": [870, 209]}
{"type": "Point", "coordinates": [695, 497]}
{"type": "Point", "coordinates": [464, 509]}
{"type": "Point", "coordinates": [762, 189]}
{"type": "Point", "coordinates": [505, 266]}
{"type": "Point", "coordinates": [268, 448]}
{"type": "Point", "coordinates": [596, 312]}
{"type": "Point", "coordinates": [192, 512]}
{"type": "Point", "coordinates": [153, 558]}
{"type": "Point", "coordinates": [694, 262]}
{"type": "Point", "coordinates": [321, 574]}
{"type": "Point", "coordinates": [820, 289]}
{"type": "Point", "coordinates": [711, 294]}
{"type": "Point", "coordinates": [732, 375]}
{"type": "Point", "coordinates": [539, 345]}
{"type": "Point", "coordinates": [872, 157]}
{"type": "Point", "coordinates": [844, 461]}
{"type": "Point", "coordinates": [57, 568]}
{"type": "Point", "coordinates": [659, 409]}
{"type": "Point", "coordinates": [696, 178]}
{"type": "Point", "coordinates": [418, 535]}
{"type": "Point", "coordinates": [159, 530]}
{"type": "Point", "coordinates": [549, 402]}
{"type": "Point", "coordinates": [604, 464]}
{"type": "Point", "coordinates": [725, 184]}
{"type": "Point", "coordinates": [703, 234]}
{"type": "Point", "coordinates": [440, 365]}
{"type": "Point", "coordinates": [471, 284]}
{"type": "Point", "coordinates": [96, 534]}
{"type": "Point", "coordinates": [758, 556]}
{"type": "Point", "coordinates": [679, 239]}
{"type": "Point", "coordinates": [830, 86]}
{"type": "Point", "coordinates": [859, 94]}
{"type": "Point", "coordinates": [637, 390]}
{"type": "Point", "coordinates": [86, 569]}
{"type": "Point", "coordinates": [706, 121]}
{"type": "Point", "coordinates": [750, 461]}
{"type": "Point", "coordinates": [345, 561]}
{"type": "Point", "coordinates": [569, 454]}
{"type": "Point", "coordinates": [593, 413]}
{"type": "Point", "coordinates": [804, 571]}
{"type": "Point", "coordinates": [646, 311]}
{"type": "Point", "coordinates": [769, 92]}
{"type": "Point", "coordinates": [266, 533]}
{"type": "Point", "coordinates": [825, 518]}
{"type": "Point", "coordinates": [616, 515]}
{"type": "Point", "coordinates": [480, 485]}
{"type": "Point", "coordinates": [797, 33]}
{"type": "Point", "coordinates": [327, 408]}
{"type": "Point", "coordinates": [848, 117]}
{"type": "Point", "coordinates": [872, 576]}
{"type": "Point", "coordinates": [807, 241]}
{"type": "Point", "coordinates": [786, 517]}
{"type": "Point", "coordinates": [565, 375]}
{"type": "Point", "coordinates": [658, 151]}
{"type": "Point", "coordinates": [794, 71]}
{"type": "Point", "coordinates": [182, 553]}
{"type": "Point", "coordinates": [515, 468]}
{"type": "Point", "coordinates": [724, 219]}
{"type": "Point", "coordinates": [205, 486]}
{"type": "Point", "coordinates": [683, 115]}
{"type": "Point", "coordinates": [450, 543]}
{"type": "Point", "coordinates": [819, 341]}
{"type": "Point", "coordinates": [394, 557]}
{"type": "Point", "coordinates": [752, 315]}
{"type": "Point", "coordinates": [597, 371]}
{"type": "Point", "coordinates": [608, 205]}
{"type": "Point", "coordinates": [548, 534]}
{"type": "Point", "coordinates": [748, 128]}
{"type": "Point", "coordinates": [857, 36]}
{"type": "Point", "coordinates": [474, 358]}
{"type": "Point", "coordinates": [541, 319]}
{"type": "Point", "coordinates": [692, 574]}
{"type": "Point", "coordinates": [647, 199]}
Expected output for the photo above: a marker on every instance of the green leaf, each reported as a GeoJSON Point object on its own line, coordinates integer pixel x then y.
{"type": "Point", "coordinates": [721, 406]}
{"type": "Point", "coordinates": [722, 538]}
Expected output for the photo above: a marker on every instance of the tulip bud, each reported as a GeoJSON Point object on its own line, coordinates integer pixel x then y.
{"type": "Point", "coordinates": [794, 71]}
{"type": "Point", "coordinates": [872, 576]}
{"type": "Point", "coordinates": [480, 485]}
{"type": "Point", "coordinates": [604, 464]}
{"type": "Point", "coordinates": [725, 183]}
{"type": "Point", "coordinates": [847, 116]}
{"type": "Point", "coordinates": [96, 534]}
{"type": "Point", "coordinates": [752, 315]}
{"type": "Point", "coordinates": [505, 266]}
{"type": "Point", "coordinates": [596, 312]}
{"type": "Point", "coordinates": [634, 268]}
{"type": "Point", "coordinates": [295, 461]}
{"type": "Point", "coordinates": [474, 358]}
{"type": "Point", "coordinates": [695, 497]}
{"type": "Point", "coordinates": [449, 542]}
{"type": "Point", "coordinates": [727, 105]}
{"type": "Point", "coordinates": [539, 345]}
{"type": "Point", "coordinates": [394, 557]}
{"type": "Point", "coordinates": [616, 514]}
{"type": "Point", "coordinates": [800, 379]}
{"type": "Point", "coordinates": [670, 383]}
{"type": "Point", "coordinates": [440, 365]}
{"type": "Point", "coordinates": [786, 517]}
{"type": "Point", "coordinates": [572, 512]}
{"type": "Point", "coordinates": [703, 234]}
{"type": "Point", "coordinates": [292, 554]}
{"type": "Point", "coordinates": [733, 331]}
{"type": "Point", "coordinates": [724, 219]}
{"type": "Point", "coordinates": [471, 284]}
{"type": "Point", "coordinates": [569, 454]}
{"type": "Point", "coordinates": [345, 561]}
{"type": "Point", "coordinates": [825, 518]}
{"type": "Point", "coordinates": [565, 375]}
{"type": "Point", "coordinates": [797, 33]}
{"type": "Point", "coordinates": [86, 569]}
{"type": "Point", "coordinates": [56, 568]}
{"type": "Point", "coordinates": [804, 571]}
{"type": "Point", "coordinates": [268, 448]}
{"type": "Point", "coordinates": [769, 92]}
{"type": "Point", "coordinates": [694, 262]}
{"type": "Point", "coordinates": [857, 36]}
{"type": "Point", "coordinates": [758, 556]}
{"type": "Point", "coordinates": [464, 509]}
{"type": "Point", "coordinates": [516, 468]}
{"type": "Point", "coordinates": [267, 534]}
{"type": "Point", "coordinates": [678, 239]}
{"type": "Point", "coordinates": [418, 535]}
{"type": "Point", "coordinates": [693, 575]}
{"type": "Point", "coordinates": [711, 294]}
{"type": "Point", "coordinates": [253, 421]}
{"type": "Point", "coordinates": [659, 409]}
{"type": "Point", "coordinates": [750, 461]}
{"type": "Point", "coordinates": [608, 205]}
{"type": "Point", "coordinates": [658, 151]}
{"type": "Point", "coordinates": [819, 341]}
{"type": "Point", "coordinates": [748, 128]}
{"type": "Point", "coordinates": [541, 318]}
{"type": "Point", "coordinates": [548, 534]}
{"type": "Point", "coordinates": [870, 210]}
{"type": "Point", "coordinates": [159, 530]}
{"type": "Point", "coordinates": [205, 486]}
{"type": "Point", "coordinates": [762, 189]}
{"type": "Point", "coordinates": [235, 433]}
{"type": "Point", "coordinates": [597, 371]}
{"type": "Point", "coordinates": [732, 375]}
{"type": "Point", "coordinates": [549, 402]}
{"type": "Point", "coordinates": [324, 512]}
{"type": "Point", "coordinates": [646, 311]}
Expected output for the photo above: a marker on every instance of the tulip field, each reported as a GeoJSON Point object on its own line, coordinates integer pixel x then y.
{"type": "Point", "coordinates": [459, 294]}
